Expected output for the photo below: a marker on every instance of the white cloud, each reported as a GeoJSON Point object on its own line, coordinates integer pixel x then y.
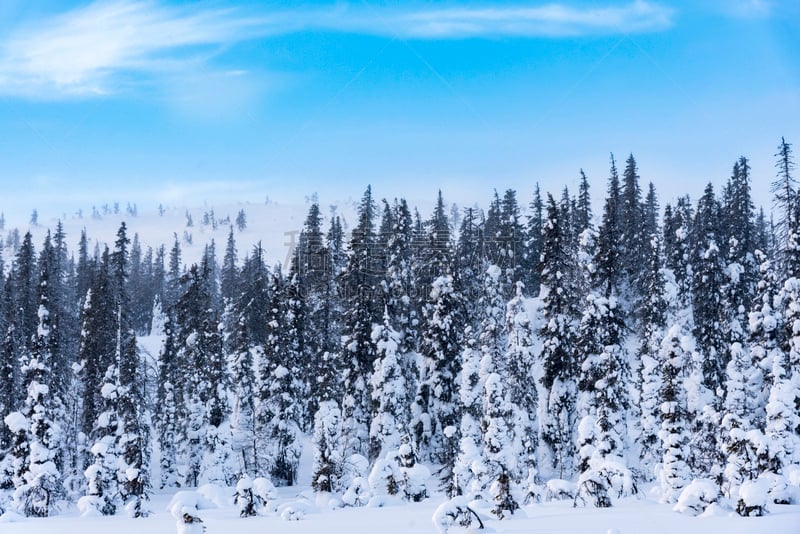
{"type": "Point", "coordinates": [550, 20]}
{"type": "Point", "coordinates": [79, 52]}
{"type": "Point", "coordinates": [751, 8]}
{"type": "Point", "coordinates": [90, 50]}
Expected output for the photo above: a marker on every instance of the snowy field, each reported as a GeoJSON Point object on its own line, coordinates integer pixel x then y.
{"type": "Point", "coordinates": [632, 516]}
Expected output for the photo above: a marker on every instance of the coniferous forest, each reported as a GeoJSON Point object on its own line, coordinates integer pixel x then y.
{"type": "Point", "coordinates": [529, 351]}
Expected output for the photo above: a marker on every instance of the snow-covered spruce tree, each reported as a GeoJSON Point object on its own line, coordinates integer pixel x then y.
{"type": "Point", "coordinates": [520, 362]}
{"type": "Point", "coordinates": [674, 359]}
{"type": "Point", "coordinates": [469, 264]}
{"type": "Point", "coordinates": [557, 410]}
{"type": "Point", "coordinates": [62, 345]}
{"type": "Point", "coordinates": [707, 282]}
{"type": "Point", "coordinates": [470, 465]}
{"type": "Point", "coordinates": [533, 241]}
{"type": "Point", "coordinates": [502, 440]}
{"type": "Point", "coordinates": [765, 338]}
{"type": "Point", "coordinates": [39, 488]}
{"type": "Point", "coordinates": [205, 445]}
{"type": "Point", "coordinates": [169, 408]}
{"type": "Point", "coordinates": [784, 378]}
{"type": "Point", "coordinates": [399, 286]}
{"type": "Point", "coordinates": [654, 323]}
{"type": "Point", "coordinates": [741, 269]}
{"type": "Point", "coordinates": [361, 313]}
{"type": "Point", "coordinates": [133, 439]}
{"type": "Point", "coordinates": [436, 408]}
{"type": "Point", "coordinates": [279, 416]}
{"type": "Point", "coordinates": [781, 415]}
{"type": "Point", "coordinates": [388, 391]}
{"type": "Point", "coordinates": [242, 364]}
{"type": "Point", "coordinates": [603, 385]}
{"type": "Point", "coordinates": [632, 239]}
{"type": "Point", "coordinates": [677, 231]}
{"type": "Point", "coordinates": [785, 190]}
{"type": "Point", "coordinates": [309, 273]}
{"type": "Point", "coordinates": [739, 440]}
{"type": "Point", "coordinates": [327, 438]}
{"type": "Point", "coordinates": [9, 376]}
{"type": "Point", "coordinates": [100, 327]}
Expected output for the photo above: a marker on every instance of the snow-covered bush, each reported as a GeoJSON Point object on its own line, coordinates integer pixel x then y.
{"type": "Point", "coordinates": [455, 512]}
{"type": "Point", "coordinates": [264, 493]}
{"type": "Point", "coordinates": [501, 494]}
{"type": "Point", "coordinates": [593, 487]}
{"type": "Point", "coordinates": [780, 491]}
{"type": "Point", "coordinates": [697, 496]}
{"type": "Point", "coordinates": [245, 500]}
{"type": "Point", "coordinates": [398, 473]}
{"type": "Point", "coordinates": [293, 511]}
{"type": "Point", "coordinates": [357, 493]}
{"type": "Point", "coordinates": [384, 479]}
{"type": "Point", "coordinates": [559, 490]}
{"type": "Point", "coordinates": [753, 497]}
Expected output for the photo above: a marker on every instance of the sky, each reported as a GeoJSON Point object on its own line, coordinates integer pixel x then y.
{"type": "Point", "coordinates": [182, 102]}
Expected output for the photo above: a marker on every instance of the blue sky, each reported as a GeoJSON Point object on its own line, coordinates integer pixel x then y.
{"type": "Point", "coordinates": [180, 101]}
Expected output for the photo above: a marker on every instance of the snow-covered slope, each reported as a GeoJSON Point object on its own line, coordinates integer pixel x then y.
{"type": "Point", "coordinates": [274, 225]}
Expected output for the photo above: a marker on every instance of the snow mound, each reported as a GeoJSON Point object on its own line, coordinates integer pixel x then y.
{"type": "Point", "coordinates": [559, 489]}
{"type": "Point", "coordinates": [697, 496]}
{"type": "Point", "coordinates": [220, 496]}
{"type": "Point", "coordinates": [11, 517]}
{"type": "Point", "coordinates": [188, 501]}
{"type": "Point", "coordinates": [753, 497]}
{"type": "Point", "coordinates": [456, 513]}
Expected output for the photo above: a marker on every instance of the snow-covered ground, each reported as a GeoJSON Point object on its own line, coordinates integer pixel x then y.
{"type": "Point", "coordinates": [632, 516]}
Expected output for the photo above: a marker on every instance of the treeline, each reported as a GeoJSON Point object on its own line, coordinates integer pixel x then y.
{"type": "Point", "coordinates": [659, 348]}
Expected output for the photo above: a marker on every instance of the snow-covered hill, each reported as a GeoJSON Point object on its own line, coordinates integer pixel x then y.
{"type": "Point", "coordinates": [274, 225]}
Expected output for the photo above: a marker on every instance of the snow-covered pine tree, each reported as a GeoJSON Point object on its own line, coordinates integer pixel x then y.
{"type": "Point", "coordinates": [533, 241]}
{"type": "Point", "coordinates": [520, 362]}
{"type": "Point", "coordinates": [674, 359]}
{"type": "Point", "coordinates": [677, 230]}
{"type": "Point", "coordinates": [98, 374]}
{"type": "Point", "coordinates": [705, 386]}
{"type": "Point", "coordinates": [327, 439]}
{"type": "Point", "coordinates": [470, 466]}
{"type": "Point", "coordinates": [785, 378]}
{"type": "Point", "coordinates": [205, 445]}
{"type": "Point", "coordinates": [435, 414]}
{"type": "Point", "coordinates": [361, 313]}
{"type": "Point", "coordinates": [9, 377]}
{"type": "Point", "coordinates": [557, 409]}
{"type": "Point", "coordinates": [603, 387]}
{"type": "Point", "coordinates": [632, 239]}
{"type": "Point", "coordinates": [309, 270]}
{"type": "Point", "coordinates": [470, 263]}
{"type": "Point", "coordinates": [502, 436]}
{"type": "Point", "coordinates": [649, 375]}
{"type": "Point", "coordinates": [785, 190]}
{"type": "Point", "coordinates": [169, 408]}
{"type": "Point", "coordinates": [37, 492]}
{"type": "Point", "coordinates": [388, 392]}
{"type": "Point", "coordinates": [279, 413]}
{"type": "Point", "coordinates": [765, 337]}
{"type": "Point", "coordinates": [133, 431]}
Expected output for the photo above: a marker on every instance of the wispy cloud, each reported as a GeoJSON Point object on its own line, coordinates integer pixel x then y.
{"type": "Point", "coordinates": [77, 53]}
{"type": "Point", "coordinates": [550, 20]}
{"type": "Point", "coordinates": [89, 50]}
{"type": "Point", "coordinates": [750, 8]}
